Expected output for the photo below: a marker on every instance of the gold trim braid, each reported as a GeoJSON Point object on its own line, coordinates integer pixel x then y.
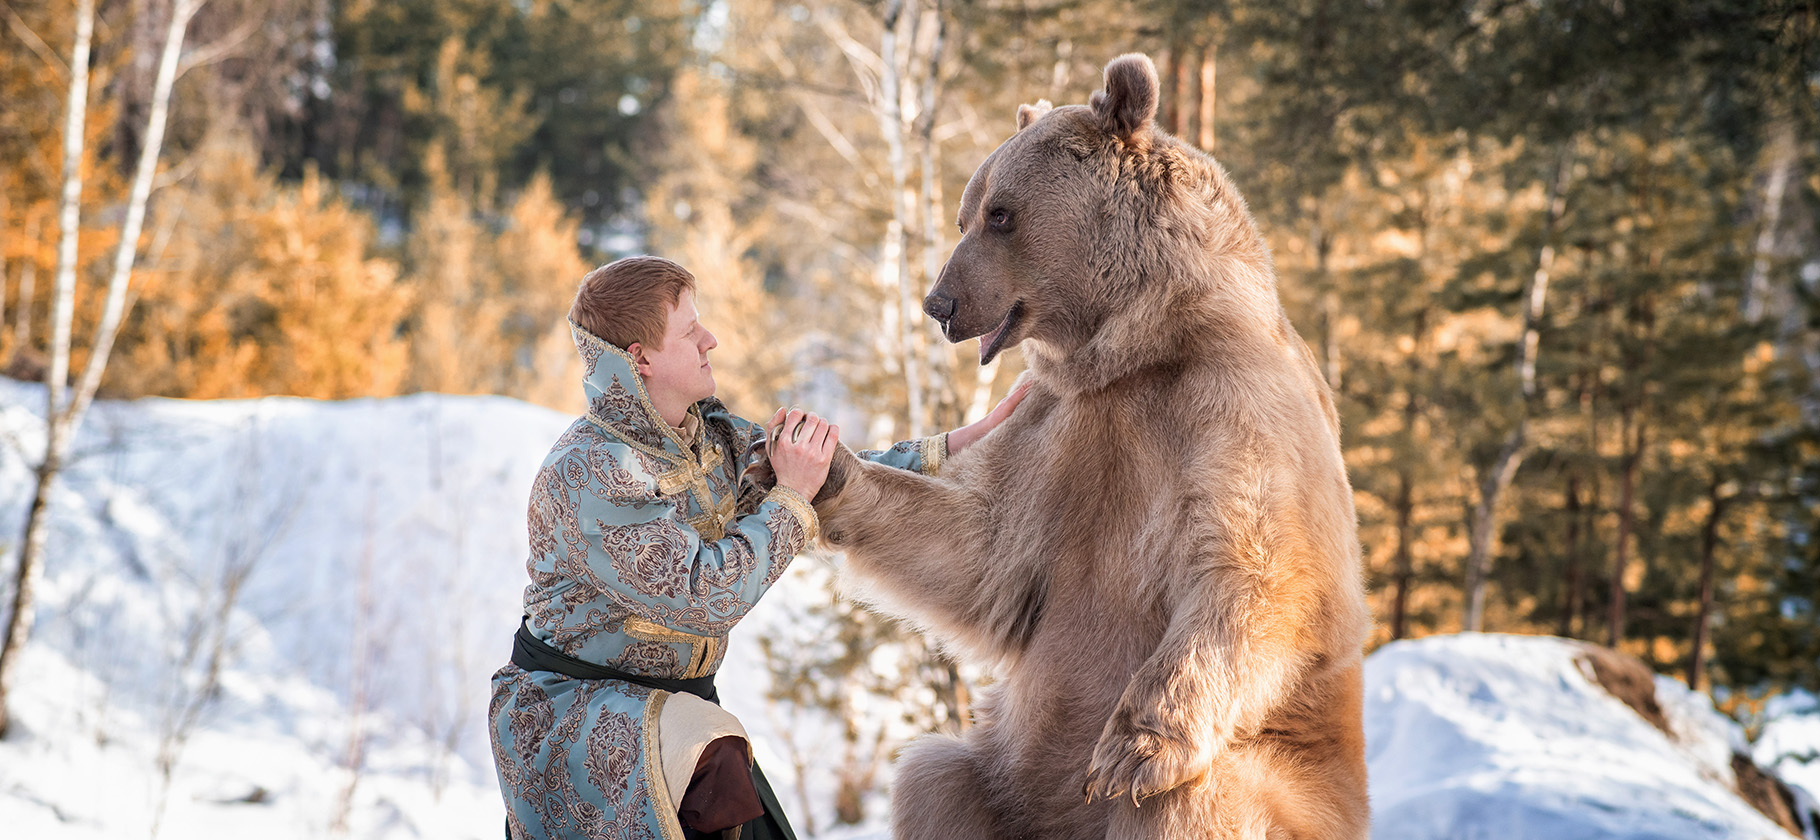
{"type": "Point", "coordinates": [935, 453]}
{"type": "Point", "coordinates": [703, 650]}
{"type": "Point", "coordinates": [800, 507]}
{"type": "Point", "coordinates": [667, 819]}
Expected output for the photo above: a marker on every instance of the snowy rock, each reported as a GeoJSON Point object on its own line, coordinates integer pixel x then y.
{"type": "Point", "coordinates": [1507, 737]}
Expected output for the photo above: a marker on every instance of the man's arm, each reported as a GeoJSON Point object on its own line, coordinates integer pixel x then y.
{"type": "Point", "coordinates": [927, 455]}
{"type": "Point", "coordinates": [652, 561]}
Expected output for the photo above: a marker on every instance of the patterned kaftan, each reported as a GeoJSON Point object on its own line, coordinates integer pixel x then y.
{"type": "Point", "coordinates": [644, 554]}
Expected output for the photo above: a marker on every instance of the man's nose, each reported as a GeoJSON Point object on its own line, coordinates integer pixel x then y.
{"type": "Point", "coordinates": [939, 306]}
{"type": "Point", "coordinates": [710, 342]}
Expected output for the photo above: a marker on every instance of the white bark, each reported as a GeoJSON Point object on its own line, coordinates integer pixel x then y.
{"type": "Point", "coordinates": [1516, 445]}
{"type": "Point", "coordinates": [32, 550]}
{"type": "Point", "coordinates": [63, 415]}
{"type": "Point", "coordinates": [1781, 156]}
{"type": "Point", "coordinates": [128, 249]}
{"type": "Point", "coordinates": [894, 50]}
{"type": "Point", "coordinates": [933, 244]}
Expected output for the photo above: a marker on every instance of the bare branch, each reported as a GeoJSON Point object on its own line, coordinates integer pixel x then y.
{"type": "Point", "coordinates": [221, 48]}
{"type": "Point", "coordinates": [31, 39]}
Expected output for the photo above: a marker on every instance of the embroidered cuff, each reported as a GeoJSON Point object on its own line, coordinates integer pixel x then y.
{"type": "Point", "coordinates": [798, 506]}
{"type": "Point", "coordinates": [935, 452]}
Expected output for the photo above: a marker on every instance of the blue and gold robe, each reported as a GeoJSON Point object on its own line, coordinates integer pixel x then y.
{"type": "Point", "coordinates": [644, 555]}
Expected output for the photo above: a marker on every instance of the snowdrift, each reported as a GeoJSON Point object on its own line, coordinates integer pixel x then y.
{"type": "Point", "coordinates": [374, 552]}
{"type": "Point", "coordinates": [1491, 736]}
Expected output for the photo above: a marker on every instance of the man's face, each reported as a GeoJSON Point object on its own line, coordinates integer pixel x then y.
{"type": "Point", "coordinates": [679, 374]}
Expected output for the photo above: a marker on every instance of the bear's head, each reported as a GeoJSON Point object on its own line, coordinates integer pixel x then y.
{"type": "Point", "coordinates": [1101, 239]}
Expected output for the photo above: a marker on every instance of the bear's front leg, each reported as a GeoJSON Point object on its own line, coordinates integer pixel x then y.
{"type": "Point", "coordinates": [920, 546]}
{"type": "Point", "coordinates": [1152, 743]}
{"type": "Point", "coordinates": [1225, 662]}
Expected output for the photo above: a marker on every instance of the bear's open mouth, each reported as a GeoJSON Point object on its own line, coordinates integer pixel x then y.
{"type": "Point", "coordinates": [990, 342]}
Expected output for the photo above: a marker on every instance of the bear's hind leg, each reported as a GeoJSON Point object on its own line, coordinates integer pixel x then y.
{"type": "Point", "coordinates": [940, 793]}
{"type": "Point", "coordinates": [1255, 792]}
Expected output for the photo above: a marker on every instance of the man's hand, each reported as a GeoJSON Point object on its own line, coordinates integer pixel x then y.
{"type": "Point", "coordinates": [967, 435]}
{"type": "Point", "coordinates": [801, 446]}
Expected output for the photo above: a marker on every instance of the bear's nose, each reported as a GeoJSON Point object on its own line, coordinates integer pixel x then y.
{"type": "Point", "coordinates": [939, 306]}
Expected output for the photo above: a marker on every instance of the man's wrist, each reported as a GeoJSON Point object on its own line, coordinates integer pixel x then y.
{"type": "Point", "coordinates": [798, 505]}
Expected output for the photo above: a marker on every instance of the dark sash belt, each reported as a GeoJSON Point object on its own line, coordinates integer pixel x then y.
{"type": "Point", "coordinates": [534, 654]}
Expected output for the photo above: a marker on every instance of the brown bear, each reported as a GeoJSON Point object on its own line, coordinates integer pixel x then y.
{"type": "Point", "coordinates": [1157, 553]}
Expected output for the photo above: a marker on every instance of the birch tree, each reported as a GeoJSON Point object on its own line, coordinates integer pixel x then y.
{"type": "Point", "coordinates": [1497, 477]}
{"type": "Point", "coordinates": [64, 410]}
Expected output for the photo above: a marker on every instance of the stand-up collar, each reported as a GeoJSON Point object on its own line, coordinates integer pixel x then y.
{"type": "Point", "coordinates": [620, 405]}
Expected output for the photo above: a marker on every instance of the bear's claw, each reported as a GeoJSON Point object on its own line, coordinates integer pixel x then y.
{"type": "Point", "coordinates": [1140, 764]}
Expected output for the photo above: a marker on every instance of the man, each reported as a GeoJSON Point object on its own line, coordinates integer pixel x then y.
{"type": "Point", "coordinates": [649, 541]}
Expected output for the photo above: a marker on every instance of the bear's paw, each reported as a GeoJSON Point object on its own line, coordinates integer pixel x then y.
{"type": "Point", "coordinates": [1140, 761]}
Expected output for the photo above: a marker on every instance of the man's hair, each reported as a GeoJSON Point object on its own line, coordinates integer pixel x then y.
{"type": "Point", "coordinates": [627, 301]}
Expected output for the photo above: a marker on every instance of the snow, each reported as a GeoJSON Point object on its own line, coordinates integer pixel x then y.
{"type": "Point", "coordinates": [378, 547]}
{"type": "Point", "coordinates": [1492, 736]}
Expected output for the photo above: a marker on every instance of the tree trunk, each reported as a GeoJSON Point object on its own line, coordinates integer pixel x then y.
{"type": "Point", "coordinates": [1571, 589]}
{"type": "Point", "coordinates": [1709, 542]}
{"type": "Point", "coordinates": [893, 52]}
{"type": "Point", "coordinates": [62, 421]}
{"type": "Point", "coordinates": [1169, 106]}
{"type": "Point", "coordinates": [1399, 622]}
{"type": "Point", "coordinates": [31, 551]}
{"type": "Point", "coordinates": [932, 215]}
{"type": "Point", "coordinates": [1780, 153]}
{"type": "Point", "coordinates": [127, 252]}
{"type": "Point", "coordinates": [1632, 431]}
{"type": "Point", "coordinates": [1208, 91]}
{"type": "Point", "coordinates": [2, 259]}
{"type": "Point", "coordinates": [1516, 444]}
{"type": "Point", "coordinates": [28, 281]}
{"type": "Point", "coordinates": [1330, 302]}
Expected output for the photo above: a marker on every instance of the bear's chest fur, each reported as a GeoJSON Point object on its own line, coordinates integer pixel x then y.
{"type": "Point", "coordinates": [1088, 491]}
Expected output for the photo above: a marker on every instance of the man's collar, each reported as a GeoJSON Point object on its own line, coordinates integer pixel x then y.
{"type": "Point", "coordinates": [619, 403]}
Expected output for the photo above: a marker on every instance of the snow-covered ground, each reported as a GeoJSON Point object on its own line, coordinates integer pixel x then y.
{"type": "Point", "coordinates": [355, 571]}
{"type": "Point", "coordinates": [1493, 736]}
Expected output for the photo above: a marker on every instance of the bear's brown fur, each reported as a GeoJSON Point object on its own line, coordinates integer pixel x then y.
{"type": "Point", "coordinates": [1157, 552]}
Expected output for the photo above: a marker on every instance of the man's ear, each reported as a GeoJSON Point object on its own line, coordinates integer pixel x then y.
{"type": "Point", "coordinates": [639, 362]}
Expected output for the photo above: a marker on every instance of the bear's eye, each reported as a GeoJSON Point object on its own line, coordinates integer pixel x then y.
{"type": "Point", "coordinates": [1000, 219]}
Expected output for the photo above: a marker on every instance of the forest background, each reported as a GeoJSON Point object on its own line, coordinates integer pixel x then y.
{"type": "Point", "coordinates": [1557, 258]}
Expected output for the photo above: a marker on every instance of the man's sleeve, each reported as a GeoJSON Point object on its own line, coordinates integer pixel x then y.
{"type": "Point", "coordinates": [660, 567]}
{"type": "Point", "coordinates": [924, 456]}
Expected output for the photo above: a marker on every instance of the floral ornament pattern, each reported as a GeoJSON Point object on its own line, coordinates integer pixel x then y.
{"type": "Point", "coordinates": [646, 582]}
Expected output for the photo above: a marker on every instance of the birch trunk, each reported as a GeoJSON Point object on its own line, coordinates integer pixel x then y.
{"type": "Point", "coordinates": [1781, 154]}
{"type": "Point", "coordinates": [61, 419]}
{"type": "Point", "coordinates": [128, 250]}
{"type": "Point", "coordinates": [31, 552]}
{"type": "Point", "coordinates": [1503, 469]}
{"type": "Point", "coordinates": [933, 245]}
{"type": "Point", "coordinates": [894, 266]}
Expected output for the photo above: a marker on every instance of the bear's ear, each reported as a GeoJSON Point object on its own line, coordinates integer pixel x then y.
{"type": "Point", "coordinates": [1128, 103]}
{"type": "Point", "coordinates": [1027, 114]}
